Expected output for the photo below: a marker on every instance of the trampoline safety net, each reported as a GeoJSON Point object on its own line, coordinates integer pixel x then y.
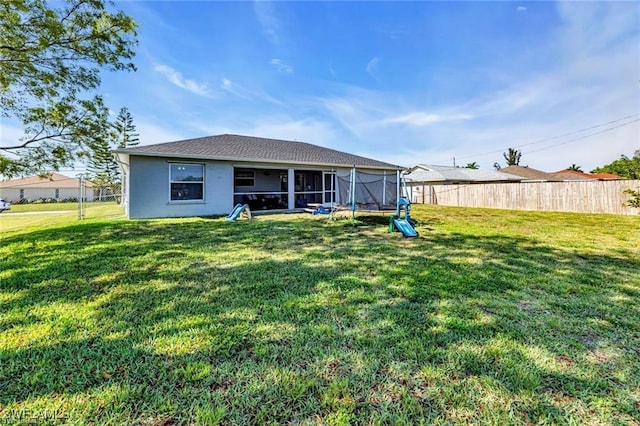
{"type": "Point", "coordinates": [370, 190]}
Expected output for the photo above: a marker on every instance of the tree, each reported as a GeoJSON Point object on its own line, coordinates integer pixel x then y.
{"type": "Point", "coordinates": [512, 157]}
{"type": "Point", "coordinates": [497, 166]}
{"type": "Point", "coordinates": [125, 130]}
{"type": "Point", "coordinates": [575, 168]}
{"type": "Point", "coordinates": [103, 168]}
{"type": "Point", "coordinates": [624, 167]}
{"type": "Point", "coordinates": [473, 166]}
{"type": "Point", "coordinates": [51, 55]}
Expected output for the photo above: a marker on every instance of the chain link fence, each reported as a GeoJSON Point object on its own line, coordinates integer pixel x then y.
{"type": "Point", "coordinates": [98, 199]}
{"type": "Point", "coordinates": [58, 194]}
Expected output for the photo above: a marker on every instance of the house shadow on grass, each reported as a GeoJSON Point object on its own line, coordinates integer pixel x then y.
{"type": "Point", "coordinates": [292, 320]}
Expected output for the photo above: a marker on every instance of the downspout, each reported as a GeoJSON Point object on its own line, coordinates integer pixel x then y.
{"type": "Point", "coordinates": [124, 168]}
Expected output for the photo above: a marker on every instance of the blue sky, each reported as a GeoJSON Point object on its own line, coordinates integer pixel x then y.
{"type": "Point", "coordinates": [403, 82]}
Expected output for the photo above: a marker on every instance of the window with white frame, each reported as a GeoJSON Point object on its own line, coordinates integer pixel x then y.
{"type": "Point", "coordinates": [187, 182]}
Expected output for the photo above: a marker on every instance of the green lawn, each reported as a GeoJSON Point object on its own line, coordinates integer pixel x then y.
{"type": "Point", "coordinates": [489, 317]}
{"type": "Point", "coordinates": [42, 207]}
{"type": "Point", "coordinates": [32, 217]}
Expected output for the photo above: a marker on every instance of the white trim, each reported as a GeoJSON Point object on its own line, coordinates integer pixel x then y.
{"type": "Point", "coordinates": [171, 181]}
{"type": "Point", "coordinates": [180, 156]}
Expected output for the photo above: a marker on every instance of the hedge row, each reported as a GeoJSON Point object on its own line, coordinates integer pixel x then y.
{"type": "Point", "coordinates": [45, 200]}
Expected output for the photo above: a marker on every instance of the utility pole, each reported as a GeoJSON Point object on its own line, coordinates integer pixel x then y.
{"type": "Point", "coordinates": [454, 161]}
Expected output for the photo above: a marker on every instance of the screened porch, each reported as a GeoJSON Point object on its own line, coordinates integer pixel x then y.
{"type": "Point", "coordinates": [269, 189]}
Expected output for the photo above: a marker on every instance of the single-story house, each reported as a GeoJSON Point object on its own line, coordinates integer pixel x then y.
{"type": "Point", "coordinates": [529, 174]}
{"type": "Point", "coordinates": [446, 175]}
{"type": "Point", "coordinates": [605, 176]}
{"type": "Point", "coordinates": [419, 178]}
{"type": "Point", "coordinates": [54, 186]}
{"type": "Point", "coordinates": [572, 175]}
{"type": "Point", "coordinates": [533, 175]}
{"type": "Point", "coordinates": [209, 175]}
{"type": "Point", "coordinates": [575, 175]}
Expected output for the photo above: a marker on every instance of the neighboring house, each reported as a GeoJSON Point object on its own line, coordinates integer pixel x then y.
{"type": "Point", "coordinates": [55, 186]}
{"type": "Point", "coordinates": [572, 175]}
{"type": "Point", "coordinates": [207, 176]}
{"type": "Point", "coordinates": [421, 176]}
{"type": "Point", "coordinates": [568, 174]}
{"type": "Point", "coordinates": [606, 176]}
{"type": "Point", "coordinates": [443, 175]}
{"type": "Point", "coordinates": [530, 174]}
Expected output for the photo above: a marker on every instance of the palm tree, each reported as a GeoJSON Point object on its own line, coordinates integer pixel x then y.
{"type": "Point", "coordinates": [497, 166]}
{"type": "Point", "coordinates": [575, 168]}
{"type": "Point", "coordinates": [512, 157]}
{"type": "Point", "coordinates": [473, 166]}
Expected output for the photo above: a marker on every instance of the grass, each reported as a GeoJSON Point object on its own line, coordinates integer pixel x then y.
{"type": "Point", "coordinates": [27, 217]}
{"type": "Point", "coordinates": [43, 207]}
{"type": "Point", "coordinates": [489, 317]}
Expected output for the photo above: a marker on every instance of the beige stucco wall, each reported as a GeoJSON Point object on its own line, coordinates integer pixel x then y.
{"type": "Point", "coordinates": [32, 193]}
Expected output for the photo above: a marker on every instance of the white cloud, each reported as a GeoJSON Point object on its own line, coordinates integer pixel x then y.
{"type": "Point", "coordinates": [151, 133]}
{"type": "Point", "coordinates": [372, 67]}
{"type": "Point", "coordinates": [279, 126]}
{"type": "Point", "coordinates": [426, 119]}
{"type": "Point", "coordinates": [594, 26]}
{"type": "Point", "coordinates": [244, 93]}
{"type": "Point", "coordinates": [281, 66]}
{"type": "Point", "coordinates": [271, 25]}
{"type": "Point", "coordinates": [545, 106]}
{"type": "Point", "coordinates": [521, 8]}
{"type": "Point", "coordinates": [229, 86]}
{"type": "Point", "coordinates": [304, 130]}
{"type": "Point", "coordinates": [359, 112]}
{"type": "Point", "coordinates": [176, 78]}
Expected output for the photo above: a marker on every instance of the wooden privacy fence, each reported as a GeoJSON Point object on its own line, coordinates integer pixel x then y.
{"type": "Point", "coordinates": [569, 196]}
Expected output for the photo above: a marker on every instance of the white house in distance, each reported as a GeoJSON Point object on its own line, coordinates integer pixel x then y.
{"type": "Point", "coordinates": [420, 177]}
{"type": "Point", "coordinates": [55, 186]}
{"type": "Point", "coordinates": [208, 176]}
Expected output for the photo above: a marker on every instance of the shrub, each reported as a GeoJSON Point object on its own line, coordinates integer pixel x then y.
{"type": "Point", "coordinates": [634, 201]}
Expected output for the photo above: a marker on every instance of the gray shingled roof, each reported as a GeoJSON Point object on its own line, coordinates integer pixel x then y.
{"type": "Point", "coordinates": [435, 173]}
{"type": "Point", "coordinates": [254, 149]}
